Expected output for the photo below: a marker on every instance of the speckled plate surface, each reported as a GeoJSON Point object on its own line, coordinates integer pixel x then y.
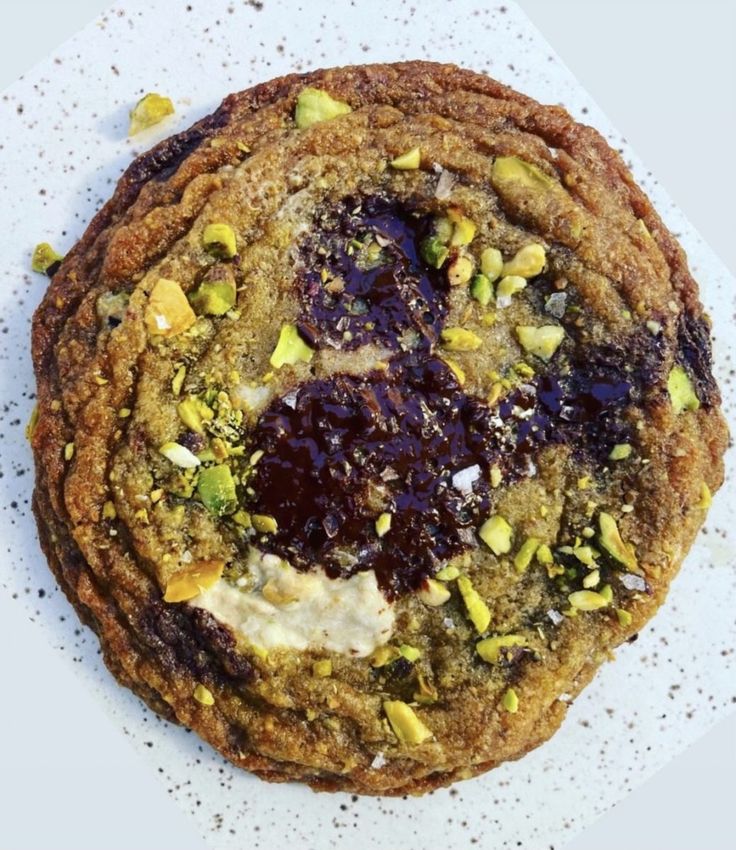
{"type": "Point", "coordinates": [663, 692]}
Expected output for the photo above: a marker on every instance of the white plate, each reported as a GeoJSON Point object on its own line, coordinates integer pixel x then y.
{"type": "Point", "coordinates": [63, 131]}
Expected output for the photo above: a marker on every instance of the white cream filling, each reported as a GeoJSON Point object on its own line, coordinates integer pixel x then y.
{"type": "Point", "coordinates": [283, 607]}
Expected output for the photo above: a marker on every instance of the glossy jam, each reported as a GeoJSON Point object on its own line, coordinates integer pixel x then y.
{"type": "Point", "coordinates": [342, 451]}
{"type": "Point", "coordinates": [363, 279]}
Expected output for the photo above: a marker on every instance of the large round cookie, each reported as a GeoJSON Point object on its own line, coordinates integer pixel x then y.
{"type": "Point", "coordinates": [374, 411]}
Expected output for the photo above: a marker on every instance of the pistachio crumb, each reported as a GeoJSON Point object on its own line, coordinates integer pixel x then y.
{"type": "Point", "coordinates": [620, 451]}
{"type": "Point", "coordinates": [407, 727]}
{"type": "Point", "coordinates": [460, 339]}
{"type": "Point", "coordinates": [526, 552]}
{"type": "Point", "coordinates": [322, 668]}
{"type": "Point", "coordinates": [477, 609]}
{"type": "Point", "coordinates": [624, 617]}
{"type": "Point", "coordinates": [528, 262]}
{"type": "Point", "coordinates": [314, 105]}
{"type": "Point", "coordinates": [290, 348]}
{"type": "Point", "coordinates": [383, 524]}
{"type": "Point", "coordinates": [448, 573]}
{"type": "Point", "coordinates": [491, 263]}
{"type": "Point", "coordinates": [264, 524]}
{"type": "Point", "coordinates": [496, 533]}
{"type": "Point", "coordinates": [44, 258]}
{"type": "Point", "coordinates": [149, 110]}
{"type": "Point", "coordinates": [511, 701]}
{"type": "Point", "coordinates": [433, 593]}
{"type": "Point", "coordinates": [68, 451]}
{"type": "Point", "coordinates": [203, 695]}
{"type": "Point", "coordinates": [408, 161]}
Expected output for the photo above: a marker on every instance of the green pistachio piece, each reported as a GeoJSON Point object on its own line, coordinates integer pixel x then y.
{"type": "Point", "coordinates": [426, 693]}
{"type": "Point", "coordinates": [525, 554]}
{"type": "Point", "coordinates": [681, 390]}
{"type": "Point", "coordinates": [383, 655]}
{"type": "Point", "coordinates": [216, 294]}
{"type": "Point", "coordinates": [434, 251]}
{"type": "Point", "coordinates": [411, 653]}
{"type": "Point", "coordinates": [219, 240]}
{"type": "Point", "coordinates": [481, 289]}
{"type": "Point", "coordinates": [507, 287]}
{"type": "Point", "coordinates": [433, 593]}
{"type": "Point", "coordinates": [544, 555]}
{"type": "Point", "coordinates": [448, 573]}
{"type": "Point", "coordinates": [620, 451]}
{"type": "Point", "coordinates": [149, 111]}
{"type": "Point", "coordinates": [264, 524]}
{"type": "Point", "coordinates": [491, 263]}
{"type": "Point", "coordinates": [460, 271]}
{"type": "Point", "coordinates": [542, 342]}
{"type": "Point", "coordinates": [216, 489]}
{"type": "Point", "coordinates": [611, 540]}
{"type": "Point", "coordinates": [314, 105]}
{"type": "Point", "coordinates": [383, 524]}
{"type": "Point", "coordinates": [587, 600]}
{"type": "Point", "coordinates": [490, 648]}
{"type": "Point", "coordinates": [706, 497]}
{"type": "Point", "coordinates": [477, 609]}
{"type": "Point", "coordinates": [460, 339]}
{"type": "Point", "coordinates": [464, 232]}
{"type": "Point", "coordinates": [527, 262]}
{"type": "Point", "coordinates": [45, 259]}
{"type": "Point", "coordinates": [408, 161]}
{"type": "Point", "coordinates": [407, 727]}
{"type": "Point", "coordinates": [624, 617]}
{"type": "Point", "coordinates": [511, 169]}
{"type": "Point", "coordinates": [511, 701]}
{"type": "Point", "coordinates": [193, 412]}
{"type": "Point", "coordinates": [290, 348]}
{"type": "Point", "coordinates": [443, 229]}
{"type": "Point", "coordinates": [322, 668]}
{"type": "Point", "coordinates": [496, 533]}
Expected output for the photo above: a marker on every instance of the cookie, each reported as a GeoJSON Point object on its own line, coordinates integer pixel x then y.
{"type": "Point", "coordinates": [374, 411]}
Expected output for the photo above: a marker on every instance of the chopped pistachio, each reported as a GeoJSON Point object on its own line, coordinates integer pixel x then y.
{"type": "Point", "coordinates": [68, 451]}
{"type": "Point", "coordinates": [322, 668]}
{"type": "Point", "coordinates": [460, 271]}
{"type": "Point", "coordinates": [426, 693]}
{"type": "Point", "coordinates": [124, 412]}
{"type": "Point", "coordinates": [607, 593]}
{"type": "Point", "coordinates": [528, 262]}
{"type": "Point", "coordinates": [511, 169]}
{"type": "Point", "coordinates": [149, 111]}
{"type": "Point", "coordinates": [584, 554]}
{"type": "Point", "coordinates": [219, 240]}
{"type": "Point", "coordinates": [443, 229]}
{"type": "Point", "coordinates": [192, 580]}
{"type": "Point", "coordinates": [624, 617]}
{"type": "Point", "coordinates": [203, 695]}
{"type": "Point", "coordinates": [434, 252]}
{"type": "Point", "coordinates": [108, 510]}
{"type": "Point", "coordinates": [290, 348]}
{"type": "Point", "coordinates": [448, 573]}
{"type": "Point", "coordinates": [681, 390]}
{"type": "Point", "coordinates": [383, 524]}
{"type": "Point", "coordinates": [706, 497]}
{"type": "Point", "coordinates": [407, 727]}
{"type": "Point", "coordinates": [408, 161]}
{"type": "Point", "coordinates": [593, 579]}
{"type": "Point", "coordinates": [481, 289]}
{"type": "Point", "coordinates": [44, 258]}
{"type": "Point", "coordinates": [178, 381]}
{"type": "Point", "coordinates": [542, 342]}
{"type": "Point", "coordinates": [524, 556]}
{"type": "Point", "coordinates": [620, 451]}
{"type": "Point", "coordinates": [264, 524]}
{"type": "Point", "coordinates": [463, 233]}
{"type": "Point", "coordinates": [587, 600]}
{"type": "Point", "coordinates": [193, 412]}
{"type": "Point", "coordinates": [491, 263]}
{"type": "Point", "coordinates": [314, 105]}
{"type": "Point", "coordinates": [383, 655]}
{"type": "Point", "coordinates": [653, 327]}
{"type": "Point", "coordinates": [242, 518]}
{"type": "Point", "coordinates": [433, 593]}
{"type": "Point", "coordinates": [496, 533]}
{"type": "Point", "coordinates": [411, 653]}
{"type": "Point", "coordinates": [168, 311]}
{"type": "Point", "coordinates": [179, 455]}
{"type": "Point", "coordinates": [611, 540]}
{"type": "Point", "coordinates": [495, 476]}
{"type": "Point", "coordinates": [460, 339]}
{"type": "Point", "coordinates": [216, 489]}
{"type": "Point", "coordinates": [490, 648]}
{"type": "Point", "coordinates": [457, 370]}
{"type": "Point", "coordinates": [477, 609]}
{"type": "Point", "coordinates": [511, 701]}
{"type": "Point", "coordinates": [216, 294]}
{"type": "Point", "coordinates": [507, 287]}
{"type": "Point", "coordinates": [32, 422]}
